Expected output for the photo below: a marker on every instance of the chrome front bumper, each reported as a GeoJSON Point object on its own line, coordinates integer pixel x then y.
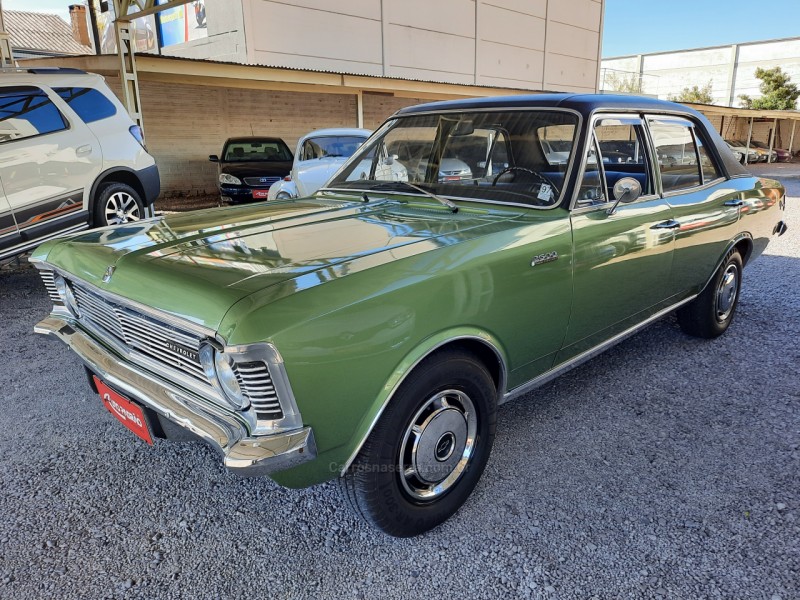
{"type": "Point", "coordinates": [248, 456]}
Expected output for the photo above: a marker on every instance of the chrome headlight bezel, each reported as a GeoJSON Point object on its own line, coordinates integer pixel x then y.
{"type": "Point", "coordinates": [218, 367]}
{"type": "Point", "coordinates": [229, 179]}
{"type": "Point", "coordinates": [67, 297]}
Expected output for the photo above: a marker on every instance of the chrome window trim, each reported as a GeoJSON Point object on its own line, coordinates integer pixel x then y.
{"type": "Point", "coordinates": [597, 115]}
{"type": "Point", "coordinates": [567, 171]}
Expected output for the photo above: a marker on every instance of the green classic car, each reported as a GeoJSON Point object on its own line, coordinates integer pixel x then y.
{"type": "Point", "coordinates": [469, 252]}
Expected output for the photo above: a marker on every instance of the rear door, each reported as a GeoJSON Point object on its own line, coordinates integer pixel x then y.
{"type": "Point", "coordinates": [704, 204]}
{"type": "Point", "coordinates": [46, 161]}
{"type": "Point", "coordinates": [9, 234]}
{"type": "Point", "coordinates": [623, 258]}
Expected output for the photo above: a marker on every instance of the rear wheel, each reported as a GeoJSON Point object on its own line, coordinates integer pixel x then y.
{"type": "Point", "coordinates": [710, 314]}
{"type": "Point", "coordinates": [428, 450]}
{"type": "Point", "coordinates": [117, 203]}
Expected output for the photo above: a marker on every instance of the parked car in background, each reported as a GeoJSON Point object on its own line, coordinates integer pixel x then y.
{"type": "Point", "coordinates": [752, 153]}
{"type": "Point", "coordinates": [70, 158]}
{"type": "Point", "coordinates": [369, 332]}
{"type": "Point", "coordinates": [248, 166]}
{"type": "Point", "coordinates": [778, 154]}
{"type": "Point", "coordinates": [318, 156]}
{"type": "Point", "coordinates": [739, 153]}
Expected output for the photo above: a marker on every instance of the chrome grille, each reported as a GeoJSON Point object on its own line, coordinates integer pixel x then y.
{"type": "Point", "coordinates": [164, 344]}
{"type": "Point", "coordinates": [256, 384]}
{"type": "Point", "coordinates": [260, 181]}
{"type": "Point", "coordinates": [48, 277]}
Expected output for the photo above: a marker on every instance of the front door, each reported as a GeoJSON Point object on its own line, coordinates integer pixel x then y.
{"type": "Point", "coordinates": [9, 234]}
{"type": "Point", "coordinates": [622, 257]}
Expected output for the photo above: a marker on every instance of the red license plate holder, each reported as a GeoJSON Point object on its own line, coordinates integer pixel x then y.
{"type": "Point", "coordinates": [260, 193]}
{"type": "Point", "coordinates": [127, 412]}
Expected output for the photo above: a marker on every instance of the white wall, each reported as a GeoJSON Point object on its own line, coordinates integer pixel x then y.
{"type": "Point", "coordinates": [526, 44]}
{"type": "Point", "coordinates": [730, 69]}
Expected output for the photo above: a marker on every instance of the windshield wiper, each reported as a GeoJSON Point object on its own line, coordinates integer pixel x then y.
{"type": "Point", "coordinates": [388, 184]}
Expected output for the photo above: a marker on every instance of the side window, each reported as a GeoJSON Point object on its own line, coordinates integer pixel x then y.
{"type": "Point", "coordinates": [677, 154]}
{"type": "Point", "coordinates": [619, 149]}
{"type": "Point", "coordinates": [90, 104]}
{"type": "Point", "coordinates": [26, 111]}
{"type": "Point", "coordinates": [707, 164]}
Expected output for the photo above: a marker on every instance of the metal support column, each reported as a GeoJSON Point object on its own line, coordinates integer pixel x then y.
{"type": "Point", "coordinates": [772, 140]}
{"type": "Point", "coordinates": [360, 108]}
{"type": "Point", "coordinates": [749, 139]}
{"type": "Point", "coordinates": [6, 57]}
{"type": "Point", "coordinates": [126, 51]}
{"type": "Point", "coordinates": [791, 139]}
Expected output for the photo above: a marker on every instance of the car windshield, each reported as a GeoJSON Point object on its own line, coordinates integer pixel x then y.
{"type": "Point", "coordinates": [256, 150]}
{"type": "Point", "coordinates": [333, 146]}
{"type": "Point", "coordinates": [506, 156]}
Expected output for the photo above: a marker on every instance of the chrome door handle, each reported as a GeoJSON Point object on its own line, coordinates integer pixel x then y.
{"type": "Point", "coordinates": [735, 203]}
{"type": "Point", "coordinates": [83, 150]}
{"type": "Point", "coordinates": [671, 224]}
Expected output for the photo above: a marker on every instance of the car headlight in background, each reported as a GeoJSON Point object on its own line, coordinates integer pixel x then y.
{"type": "Point", "coordinates": [229, 179]}
{"type": "Point", "coordinates": [218, 367]}
{"type": "Point", "coordinates": [66, 295]}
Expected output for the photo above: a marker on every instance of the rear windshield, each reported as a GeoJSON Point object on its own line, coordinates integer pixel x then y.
{"type": "Point", "coordinates": [254, 150]}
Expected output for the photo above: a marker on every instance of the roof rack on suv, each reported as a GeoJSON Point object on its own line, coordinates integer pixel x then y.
{"type": "Point", "coordinates": [44, 70]}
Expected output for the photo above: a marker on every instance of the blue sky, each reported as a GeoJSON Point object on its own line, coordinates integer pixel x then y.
{"type": "Point", "coordinates": [642, 26]}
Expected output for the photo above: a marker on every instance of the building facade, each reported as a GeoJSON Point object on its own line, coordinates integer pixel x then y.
{"type": "Point", "coordinates": [525, 44]}
{"type": "Point", "coordinates": [729, 69]}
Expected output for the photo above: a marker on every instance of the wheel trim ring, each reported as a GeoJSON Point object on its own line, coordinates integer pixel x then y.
{"type": "Point", "coordinates": [727, 292]}
{"type": "Point", "coordinates": [121, 208]}
{"type": "Point", "coordinates": [423, 491]}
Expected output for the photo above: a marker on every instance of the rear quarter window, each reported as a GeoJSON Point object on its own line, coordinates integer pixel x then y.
{"type": "Point", "coordinates": [89, 104]}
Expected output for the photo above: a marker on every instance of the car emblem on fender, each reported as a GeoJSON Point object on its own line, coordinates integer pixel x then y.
{"type": "Point", "coordinates": [109, 272]}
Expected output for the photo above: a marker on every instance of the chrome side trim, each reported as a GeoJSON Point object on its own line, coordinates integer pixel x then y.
{"type": "Point", "coordinates": [589, 354]}
{"type": "Point", "coordinates": [500, 387]}
{"type": "Point", "coordinates": [244, 454]}
{"type": "Point", "coordinates": [20, 248]}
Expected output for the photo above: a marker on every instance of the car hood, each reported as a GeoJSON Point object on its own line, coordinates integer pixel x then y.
{"type": "Point", "coordinates": [197, 265]}
{"type": "Point", "coordinates": [256, 168]}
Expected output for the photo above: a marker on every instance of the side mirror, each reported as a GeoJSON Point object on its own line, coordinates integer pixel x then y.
{"type": "Point", "coordinates": [213, 158]}
{"type": "Point", "coordinates": [389, 160]}
{"type": "Point", "coordinates": [626, 190]}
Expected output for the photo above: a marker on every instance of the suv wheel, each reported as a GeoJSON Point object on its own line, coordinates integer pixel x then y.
{"type": "Point", "coordinates": [117, 203]}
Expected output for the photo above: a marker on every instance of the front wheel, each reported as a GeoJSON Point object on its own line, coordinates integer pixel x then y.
{"type": "Point", "coordinates": [117, 203]}
{"type": "Point", "coordinates": [428, 450]}
{"type": "Point", "coordinates": [710, 314]}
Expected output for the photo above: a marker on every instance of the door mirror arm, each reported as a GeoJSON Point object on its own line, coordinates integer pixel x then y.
{"type": "Point", "coordinates": [626, 190]}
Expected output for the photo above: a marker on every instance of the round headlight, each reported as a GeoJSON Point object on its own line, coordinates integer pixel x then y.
{"type": "Point", "coordinates": [219, 369]}
{"type": "Point", "coordinates": [65, 293]}
{"type": "Point", "coordinates": [229, 179]}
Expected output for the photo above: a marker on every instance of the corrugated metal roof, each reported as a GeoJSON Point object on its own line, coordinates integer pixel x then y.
{"type": "Point", "coordinates": [42, 32]}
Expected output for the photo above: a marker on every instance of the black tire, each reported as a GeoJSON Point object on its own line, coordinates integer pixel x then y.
{"type": "Point", "coordinates": [122, 196]}
{"type": "Point", "coordinates": [710, 314]}
{"type": "Point", "coordinates": [377, 485]}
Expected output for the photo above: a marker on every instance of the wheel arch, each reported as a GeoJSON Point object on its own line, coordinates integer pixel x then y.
{"type": "Point", "coordinates": [115, 175]}
{"type": "Point", "coordinates": [482, 344]}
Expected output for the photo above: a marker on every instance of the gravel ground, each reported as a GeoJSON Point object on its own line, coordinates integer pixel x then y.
{"type": "Point", "coordinates": [668, 467]}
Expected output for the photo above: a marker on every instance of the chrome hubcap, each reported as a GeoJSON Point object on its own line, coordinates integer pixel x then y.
{"type": "Point", "coordinates": [438, 444]}
{"type": "Point", "coordinates": [726, 292]}
{"type": "Point", "coordinates": [121, 208]}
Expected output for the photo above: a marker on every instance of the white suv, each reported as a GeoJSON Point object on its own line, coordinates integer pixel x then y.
{"type": "Point", "coordinates": [70, 158]}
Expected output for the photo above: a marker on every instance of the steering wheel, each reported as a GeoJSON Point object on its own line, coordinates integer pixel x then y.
{"type": "Point", "coordinates": [541, 178]}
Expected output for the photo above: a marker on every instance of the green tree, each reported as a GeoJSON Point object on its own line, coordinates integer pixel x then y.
{"type": "Point", "coordinates": [694, 95]}
{"type": "Point", "coordinates": [777, 91]}
{"type": "Point", "coordinates": [622, 82]}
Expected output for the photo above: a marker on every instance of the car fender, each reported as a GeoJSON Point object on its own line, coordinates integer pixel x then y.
{"type": "Point", "coordinates": [426, 348]}
{"type": "Point", "coordinates": [282, 186]}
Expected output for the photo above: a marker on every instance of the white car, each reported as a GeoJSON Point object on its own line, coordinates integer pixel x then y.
{"type": "Point", "coordinates": [70, 158]}
{"type": "Point", "coordinates": [319, 155]}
